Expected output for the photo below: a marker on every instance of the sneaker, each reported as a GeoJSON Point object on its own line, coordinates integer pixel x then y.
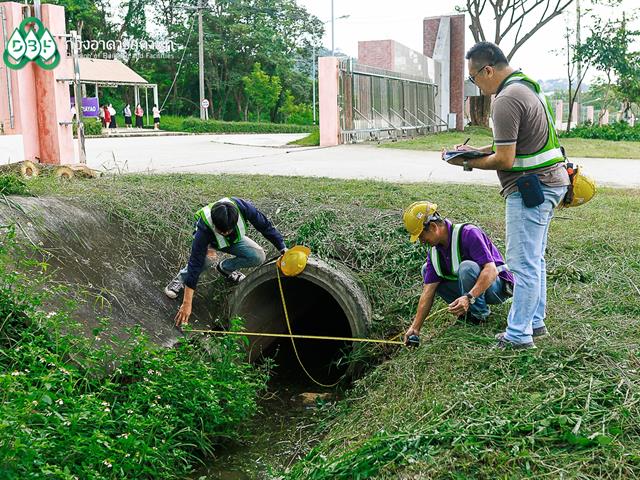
{"type": "Point", "coordinates": [504, 344]}
{"type": "Point", "coordinates": [540, 332]}
{"type": "Point", "coordinates": [233, 277]}
{"type": "Point", "coordinates": [174, 288]}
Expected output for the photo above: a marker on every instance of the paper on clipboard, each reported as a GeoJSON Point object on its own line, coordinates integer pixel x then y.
{"type": "Point", "coordinates": [451, 154]}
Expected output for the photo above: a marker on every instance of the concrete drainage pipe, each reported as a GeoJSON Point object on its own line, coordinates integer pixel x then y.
{"type": "Point", "coordinates": [324, 301]}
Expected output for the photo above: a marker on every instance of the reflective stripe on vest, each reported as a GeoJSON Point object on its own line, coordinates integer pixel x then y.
{"type": "Point", "coordinates": [456, 254]}
{"type": "Point", "coordinates": [551, 153]}
{"type": "Point", "coordinates": [240, 228]}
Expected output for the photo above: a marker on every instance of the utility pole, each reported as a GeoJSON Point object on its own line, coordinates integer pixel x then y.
{"type": "Point", "coordinates": [314, 84]}
{"type": "Point", "coordinates": [333, 32]}
{"type": "Point", "coordinates": [75, 53]}
{"type": "Point", "coordinates": [203, 112]}
{"type": "Point", "coordinates": [578, 99]}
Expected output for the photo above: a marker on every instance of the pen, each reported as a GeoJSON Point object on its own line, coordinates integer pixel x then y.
{"type": "Point", "coordinates": [465, 142]}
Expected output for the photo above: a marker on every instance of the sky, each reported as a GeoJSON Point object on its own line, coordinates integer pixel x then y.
{"type": "Point", "coordinates": [401, 20]}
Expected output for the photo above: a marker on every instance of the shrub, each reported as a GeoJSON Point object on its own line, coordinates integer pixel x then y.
{"type": "Point", "coordinates": [615, 131]}
{"type": "Point", "coordinates": [63, 415]}
{"type": "Point", "coordinates": [91, 127]}
{"type": "Point", "coordinates": [195, 125]}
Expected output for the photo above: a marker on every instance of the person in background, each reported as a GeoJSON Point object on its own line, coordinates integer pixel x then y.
{"type": "Point", "coordinates": [156, 118]}
{"type": "Point", "coordinates": [102, 116]}
{"type": "Point", "coordinates": [139, 112]}
{"type": "Point", "coordinates": [112, 113]}
{"type": "Point", "coordinates": [107, 116]}
{"type": "Point", "coordinates": [127, 116]}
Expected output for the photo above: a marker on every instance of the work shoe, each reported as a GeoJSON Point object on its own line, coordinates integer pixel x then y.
{"type": "Point", "coordinates": [504, 344]}
{"type": "Point", "coordinates": [174, 288]}
{"type": "Point", "coordinates": [233, 277]}
{"type": "Point", "coordinates": [540, 332]}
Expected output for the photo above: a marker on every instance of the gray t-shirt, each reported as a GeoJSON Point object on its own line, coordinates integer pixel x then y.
{"type": "Point", "coordinates": [519, 117]}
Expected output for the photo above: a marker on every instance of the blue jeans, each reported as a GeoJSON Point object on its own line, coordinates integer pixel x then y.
{"type": "Point", "coordinates": [527, 230]}
{"type": "Point", "coordinates": [467, 278]}
{"type": "Point", "coordinates": [246, 253]}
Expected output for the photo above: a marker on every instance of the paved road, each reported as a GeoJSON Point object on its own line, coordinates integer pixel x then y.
{"type": "Point", "coordinates": [269, 155]}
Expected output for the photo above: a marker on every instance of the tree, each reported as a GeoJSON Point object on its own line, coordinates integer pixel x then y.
{"type": "Point", "coordinates": [263, 90]}
{"type": "Point", "coordinates": [608, 49]}
{"type": "Point", "coordinates": [513, 23]}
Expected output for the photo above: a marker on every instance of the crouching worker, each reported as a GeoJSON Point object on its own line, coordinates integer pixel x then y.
{"type": "Point", "coordinates": [463, 266]}
{"type": "Point", "coordinates": [221, 226]}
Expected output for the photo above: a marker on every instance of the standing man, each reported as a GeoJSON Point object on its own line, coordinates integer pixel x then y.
{"type": "Point", "coordinates": [529, 163]}
{"type": "Point", "coordinates": [463, 266]}
{"type": "Point", "coordinates": [222, 226]}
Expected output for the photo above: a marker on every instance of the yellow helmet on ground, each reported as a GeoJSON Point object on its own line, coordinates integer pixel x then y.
{"type": "Point", "coordinates": [584, 188]}
{"type": "Point", "coordinates": [416, 215]}
{"type": "Point", "coordinates": [294, 261]}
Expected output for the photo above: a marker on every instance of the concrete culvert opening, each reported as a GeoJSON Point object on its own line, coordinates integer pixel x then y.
{"type": "Point", "coordinates": [322, 301]}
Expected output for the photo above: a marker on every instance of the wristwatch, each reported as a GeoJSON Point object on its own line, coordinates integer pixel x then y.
{"type": "Point", "coordinates": [465, 166]}
{"type": "Point", "coordinates": [471, 298]}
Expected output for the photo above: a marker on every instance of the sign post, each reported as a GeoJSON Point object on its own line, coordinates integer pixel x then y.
{"type": "Point", "coordinates": [205, 108]}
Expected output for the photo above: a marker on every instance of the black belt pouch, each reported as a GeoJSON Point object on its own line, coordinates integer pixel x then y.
{"type": "Point", "coordinates": [530, 188]}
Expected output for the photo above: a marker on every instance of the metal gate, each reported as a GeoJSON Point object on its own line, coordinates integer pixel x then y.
{"type": "Point", "coordinates": [377, 104]}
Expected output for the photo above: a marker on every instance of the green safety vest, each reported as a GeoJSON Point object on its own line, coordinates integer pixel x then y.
{"type": "Point", "coordinates": [221, 241]}
{"type": "Point", "coordinates": [551, 153]}
{"type": "Point", "coordinates": [456, 254]}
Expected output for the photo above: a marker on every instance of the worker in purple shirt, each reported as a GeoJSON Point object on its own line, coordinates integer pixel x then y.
{"type": "Point", "coordinates": [463, 266]}
{"type": "Point", "coordinates": [221, 226]}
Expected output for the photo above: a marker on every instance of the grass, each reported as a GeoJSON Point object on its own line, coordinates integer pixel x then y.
{"type": "Point", "coordinates": [311, 140]}
{"type": "Point", "coordinates": [575, 147]}
{"type": "Point", "coordinates": [452, 408]}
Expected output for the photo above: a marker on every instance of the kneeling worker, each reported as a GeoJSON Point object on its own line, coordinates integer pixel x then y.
{"type": "Point", "coordinates": [222, 226]}
{"type": "Point", "coordinates": [463, 266]}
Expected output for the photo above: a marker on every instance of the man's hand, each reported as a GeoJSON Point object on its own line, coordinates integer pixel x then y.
{"type": "Point", "coordinates": [464, 147]}
{"type": "Point", "coordinates": [182, 317]}
{"type": "Point", "coordinates": [411, 331]}
{"type": "Point", "coordinates": [459, 306]}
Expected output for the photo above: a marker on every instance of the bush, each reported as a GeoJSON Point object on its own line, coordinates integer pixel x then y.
{"type": "Point", "coordinates": [195, 125]}
{"type": "Point", "coordinates": [615, 131]}
{"type": "Point", "coordinates": [63, 415]}
{"type": "Point", "coordinates": [91, 127]}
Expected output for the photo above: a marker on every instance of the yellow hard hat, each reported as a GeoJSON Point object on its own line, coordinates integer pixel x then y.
{"type": "Point", "coordinates": [294, 261]}
{"type": "Point", "coordinates": [415, 215]}
{"type": "Point", "coordinates": [584, 188]}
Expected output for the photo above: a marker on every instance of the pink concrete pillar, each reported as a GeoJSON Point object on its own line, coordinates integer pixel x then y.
{"type": "Point", "coordinates": [559, 108]}
{"type": "Point", "coordinates": [23, 93]}
{"type": "Point", "coordinates": [328, 101]}
{"type": "Point", "coordinates": [54, 103]}
{"type": "Point", "coordinates": [604, 119]}
{"type": "Point", "coordinates": [575, 119]}
{"type": "Point", "coordinates": [590, 114]}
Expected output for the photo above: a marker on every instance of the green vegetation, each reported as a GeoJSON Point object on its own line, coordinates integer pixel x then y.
{"type": "Point", "coordinates": [311, 140]}
{"type": "Point", "coordinates": [615, 131]}
{"type": "Point", "coordinates": [590, 147]}
{"type": "Point", "coordinates": [91, 127]}
{"type": "Point", "coordinates": [452, 408]}
{"type": "Point", "coordinates": [11, 184]}
{"type": "Point", "coordinates": [195, 125]}
{"type": "Point", "coordinates": [103, 408]}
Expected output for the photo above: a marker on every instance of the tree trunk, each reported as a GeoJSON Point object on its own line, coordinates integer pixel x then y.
{"type": "Point", "coordinates": [480, 110]}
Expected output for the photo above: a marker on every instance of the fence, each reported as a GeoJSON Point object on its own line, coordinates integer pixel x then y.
{"type": "Point", "coordinates": [376, 104]}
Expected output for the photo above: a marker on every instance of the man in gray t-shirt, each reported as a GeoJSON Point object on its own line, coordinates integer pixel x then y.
{"type": "Point", "coordinates": [525, 144]}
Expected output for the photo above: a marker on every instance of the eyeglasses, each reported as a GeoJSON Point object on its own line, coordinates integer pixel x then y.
{"type": "Point", "coordinates": [472, 78]}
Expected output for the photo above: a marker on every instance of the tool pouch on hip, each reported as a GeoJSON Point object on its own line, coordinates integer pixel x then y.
{"type": "Point", "coordinates": [530, 188]}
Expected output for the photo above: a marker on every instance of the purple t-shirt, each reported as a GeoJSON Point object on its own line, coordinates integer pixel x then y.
{"type": "Point", "coordinates": [475, 245]}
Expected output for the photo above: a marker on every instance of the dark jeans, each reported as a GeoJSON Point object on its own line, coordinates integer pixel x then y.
{"type": "Point", "coordinates": [467, 278]}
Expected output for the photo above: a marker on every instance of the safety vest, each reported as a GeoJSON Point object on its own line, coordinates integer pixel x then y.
{"type": "Point", "coordinates": [456, 255]}
{"type": "Point", "coordinates": [221, 241]}
{"type": "Point", "coordinates": [551, 153]}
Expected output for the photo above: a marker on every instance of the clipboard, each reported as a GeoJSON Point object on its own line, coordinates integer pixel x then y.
{"type": "Point", "coordinates": [451, 154]}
